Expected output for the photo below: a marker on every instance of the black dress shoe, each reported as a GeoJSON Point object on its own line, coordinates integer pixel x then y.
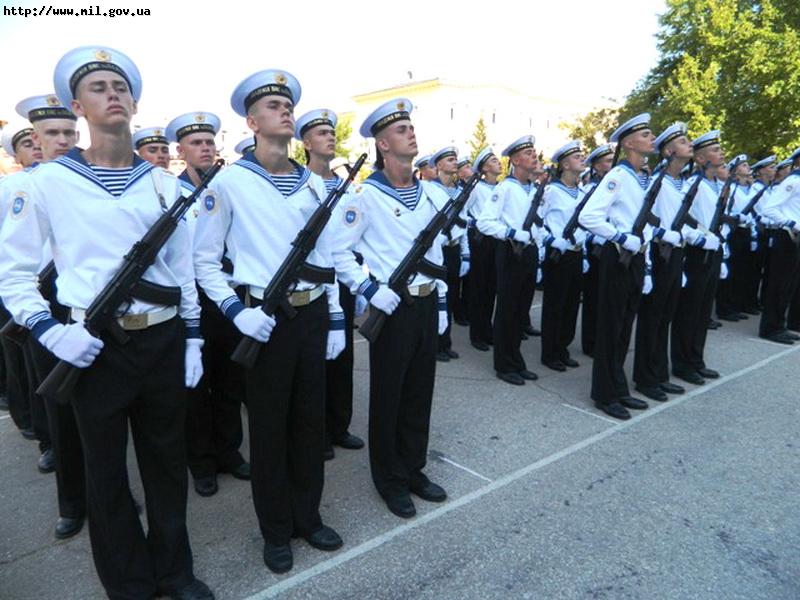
{"type": "Point", "coordinates": [47, 461]}
{"type": "Point", "coordinates": [708, 373]}
{"type": "Point", "coordinates": [512, 378]}
{"type": "Point", "coordinates": [631, 402]}
{"type": "Point", "coordinates": [325, 539]}
{"type": "Point", "coordinates": [349, 441]}
{"type": "Point", "coordinates": [328, 453]}
{"type": "Point", "coordinates": [206, 486]}
{"type": "Point", "coordinates": [712, 324]}
{"type": "Point", "coordinates": [427, 490]}
{"type": "Point", "coordinates": [461, 321]}
{"type": "Point", "coordinates": [442, 356]}
{"type": "Point", "coordinates": [240, 471]}
{"type": "Point", "coordinates": [689, 377]}
{"type": "Point", "coordinates": [528, 375]}
{"type": "Point", "coordinates": [197, 590]}
{"type": "Point", "coordinates": [532, 331]}
{"type": "Point", "coordinates": [731, 317]}
{"type": "Point", "coordinates": [524, 336]}
{"type": "Point", "coordinates": [402, 506]}
{"type": "Point", "coordinates": [614, 409]}
{"type": "Point", "coordinates": [792, 336]}
{"type": "Point", "coordinates": [451, 353]}
{"type": "Point", "coordinates": [779, 338]}
{"type": "Point", "coordinates": [653, 392]}
{"type": "Point", "coordinates": [278, 558]}
{"type": "Point", "coordinates": [671, 388]}
{"type": "Point", "coordinates": [741, 316]}
{"type": "Point", "coordinates": [752, 311]}
{"type": "Point", "coordinates": [556, 365]}
{"type": "Point", "coordinates": [571, 362]}
{"type": "Point", "coordinates": [482, 346]}
{"type": "Point", "coordinates": [66, 527]}
{"type": "Point", "coordinates": [28, 433]}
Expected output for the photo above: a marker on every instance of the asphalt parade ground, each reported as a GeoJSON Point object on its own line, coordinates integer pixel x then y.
{"type": "Point", "coordinates": [695, 498]}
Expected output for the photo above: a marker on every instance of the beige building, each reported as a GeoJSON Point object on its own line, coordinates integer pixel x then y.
{"type": "Point", "coordinates": [446, 112]}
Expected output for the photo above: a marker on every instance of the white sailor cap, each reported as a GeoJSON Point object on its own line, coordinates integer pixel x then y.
{"type": "Point", "coordinates": [742, 158]}
{"type": "Point", "coordinates": [672, 132]}
{"type": "Point", "coordinates": [598, 153]}
{"type": "Point", "coordinates": [149, 135]}
{"type": "Point", "coordinates": [79, 62]}
{"type": "Point", "coordinates": [248, 144]}
{"type": "Point", "coordinates": [386, 114]}
{"type": "Point", "coordinates": [313, 118]}
{"type": "Point", "coordinates": [271, 82]}
{"type": "Point", "coordinates": [637, 123]}
{"type": "Point", "coordinates": [794, 155]}
{"type": "Point", "coordinates": [566, 150]}
{"type": "Point", "coordinates": [192, 122]}
{"type": "Point", "coordinates": [481, 159]}
{"type": "Point", "coordinates": [13, 134]}
{"type": "Point", "coordinates": [48, 106]}
{"type": "Point", "coordinates": [445, 152]}
{"type": "Point", "coordinates": [463, 161]}
{"type": "Point", "coordinates": [786, 162]}
{"type": "Point", "coordinates": [764, 162]}
{"type": "Point", "coordinates": [422, 161]}
{"type": "Point", "coordinates": [707, 139]}
{"type": "Point", "coordinates": [526, 141]}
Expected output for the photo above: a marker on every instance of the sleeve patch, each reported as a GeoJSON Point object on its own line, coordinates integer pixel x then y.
{"type": "Point", "coordinates": [19, 205]}
{"type": "Point", "coordinates": [210, 202]}
{"type": "Point", "coordinates": [351, 216]}
{"type": "Point", "coordinates": [612, 185]}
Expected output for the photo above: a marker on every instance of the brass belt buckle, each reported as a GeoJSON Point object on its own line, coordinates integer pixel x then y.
{"type": "Point", "coordinates": [300, 298]}
{"type": "Point", "coordinates": [134, 322]}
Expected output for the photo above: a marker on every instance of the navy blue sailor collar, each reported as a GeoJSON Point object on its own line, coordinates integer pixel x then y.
{"type": "Point", "coordinates": [74, 161]}
{"type": "Point", "coordinates": [379, 180]}
{"type": "Point", "coordinates": [250, 162]}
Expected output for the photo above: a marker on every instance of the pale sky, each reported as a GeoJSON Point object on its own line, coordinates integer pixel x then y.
{"type": "Point", "coordinates": [192, 54]}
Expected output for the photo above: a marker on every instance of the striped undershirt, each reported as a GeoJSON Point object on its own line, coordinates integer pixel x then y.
{"type": "Point", "coordinates": [286, 183]}
{"type": "Point", "coordinates": [330, 184]}
{"type": "Point", "coordinates": [113, 179]}
{"type": "Point", "coordinates": [408, 196]}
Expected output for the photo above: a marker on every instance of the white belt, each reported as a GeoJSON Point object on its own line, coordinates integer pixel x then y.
{"type": "Point", "coordinates": [133, 322]}
{"type": "Point", "coordinates": [303, 298]}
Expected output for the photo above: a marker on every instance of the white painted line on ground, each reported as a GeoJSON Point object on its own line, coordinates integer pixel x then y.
{"type": "Point", "coordinates": [770, 342]}
{"type": "Point", "coordinates": [379, 540]}
{"type": "Point", "coordinates": [463, 468]}
{"type": "Point", "coordinates": [5, 417]}
{"type": "Point", "coordinates": [586, 412]}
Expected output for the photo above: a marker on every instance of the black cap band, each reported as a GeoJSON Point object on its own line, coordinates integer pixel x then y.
{"type": "Point", "coordinates": [388, 120]}
{"type": "Point", "coordinates": [314, 123]}
{"type": "Point", "coordinates": [96, 66]}
{"type": "Point", "coordinates": [194, 128]}
{"type": "Point", "coordinates": [270, 89]}
{"type": "Point", "coordinates": [152, 139]}
{"type": "Point", "coordinates": [22, 133]}
{"type": "Point", "coordinates": [50, 112]}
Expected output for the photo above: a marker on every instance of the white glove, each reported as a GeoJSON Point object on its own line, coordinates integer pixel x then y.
{"type": "Point", "coordinates": [523, 237]}
{"type": "Point", "coordinates": [723, 271]}
{"type": "Point", "coordinates": [336, 343]}
{"type": "Point", "coordinates": [726, 251]}
{"type": "Point", "coordinates": [673, 238]}
{"type": "Point", "coordinates": [255, 323]}
{"type": "Point", "coordinates": [632, 243]}
{"type": "Point", "coordinates": [539, 275]}
{"type": "Point", "coordinates": [684, 280]}
{"type": "Point", "coordinates": [711, 243]}
{"type": "Point", "coordinates": [560, 244]}
{"type": "Point", "coordinates": [361, 305]}
{"type": "Point", "coordinates": [585, 266]}
{"type": "Point", "coordinates": [744, 219]}
{"type": "Point", "coordinates": [442, 321]}
{"type": "Point", "coordinates": [193, 362]}
{"type": "Point", "coordinates": [647, 286]}
{"type": "Point", "coordinates": [72, 343]}
{"type": "Point", "coordinates": [753, 244]}
{"type": "Point", "coordinates": [464, 269]}
{"type": "Point", "coordinates": [385, 300]}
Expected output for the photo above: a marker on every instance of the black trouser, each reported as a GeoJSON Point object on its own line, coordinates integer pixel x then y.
{"type": "Point", "coordinates": [690, 324]}
{"type": "Point", "coordinates": [214, 411]}
{"type": "Point", "coordinates": [402, 368]}
{"type": "Point", "coordinates": [619, 293]}
{"type": "Point", "coordinates": [591, 284]}
{"type": "Point", "coordinates": [783, 260]}
{"type": "Point", "coordinates": [731, 291]}
{"type": "Point", "coordinates": [758, 286]}
{"type": "Point", "coordinates": [140, 384]}
{"type": "Point", "coordinates": [562, 294]}
{"type": "Point", "coordinates": [793, 318]}
{"type": "Point", "coordinates": [482, 285]}
{"type": "Point", "coordinates": [339, 375]}
{"type": "Point", "coordinates": [16, 383]}
{"type": "Point", "coordinates": [39, 421]}
{"type": "Point", "coordinates": [286, 409]}
{"type": "Point", "coordinates": [651, 357]}
{"type": "Point", "coordinates": [516, 281]}
{"type": "Point", "coordinates": [66, 441]}
{"type": "Point", "coordinates": [452, 263]}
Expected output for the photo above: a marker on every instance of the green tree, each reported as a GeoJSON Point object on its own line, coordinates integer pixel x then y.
{"type": "Point", "coordinates": [479, 140]}
{"type": "Point", "coordinates": [732, 65]}
{"type": "Point", "coordinates": [594, 128]}
{"type": "Point", "coordinates": [344, 129]}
